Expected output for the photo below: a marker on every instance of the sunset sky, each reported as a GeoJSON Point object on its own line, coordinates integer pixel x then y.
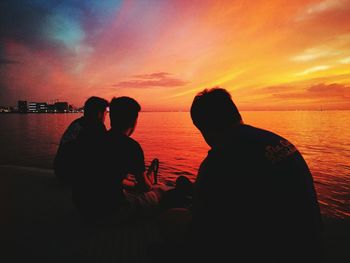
{"type": "Point", "coordinates": [270, 55]}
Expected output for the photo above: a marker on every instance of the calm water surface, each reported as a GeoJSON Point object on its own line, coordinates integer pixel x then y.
{"type": "Point", "coordinates": [323, 137]}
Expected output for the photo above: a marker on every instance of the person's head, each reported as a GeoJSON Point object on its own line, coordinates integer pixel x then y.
{"type": "Point", "coordinates": [184, 185]}
{"type": "Point", "coordinates": [123, 112]}
{"type": "Point", "coordinates": [95, 108]}
{"type": "Point", "coordinates": [213, 112]}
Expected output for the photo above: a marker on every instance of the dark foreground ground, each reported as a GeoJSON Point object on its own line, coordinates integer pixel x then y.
{"type": "Point", "coordinates": [39, 224]}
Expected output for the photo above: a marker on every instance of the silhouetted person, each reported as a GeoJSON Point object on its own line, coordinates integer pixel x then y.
{"type": "Point", "coordinates": [254, 197]}
{"type": "Point", "coordinates": [180, 196]}
{"type": "Point", "coordinates": [87, 128]}
{"type": "Point", "coordinates": [106, 198]}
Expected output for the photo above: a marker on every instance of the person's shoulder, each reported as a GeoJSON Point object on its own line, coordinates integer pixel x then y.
{"type": "Point", "coordinates": [268, 137]}
{"type": "Point", "coordinates": [92, 125]}
{"type": "Point", "coordinates": [259, 135]}
{"type": "Point", "coordinates": [276, 148]}
{"type": "Point", "coordinates": [73, 131]}
{"type": "Point", "coordinates": [123, 140]}
{"type": "Point", "coordinates": [133, 143]}
{"type": "Point", "coordinates": [76, 122]}
{"type": "Point", "coordinates": [257, 132]}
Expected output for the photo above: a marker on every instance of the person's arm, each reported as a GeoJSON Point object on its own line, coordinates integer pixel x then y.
{"type": "Point", "coordinates": [137, 168]}
{"type": "Point", "coordinates": [139, 180]}
{"type": "Point", "coordinates": [142, 182]}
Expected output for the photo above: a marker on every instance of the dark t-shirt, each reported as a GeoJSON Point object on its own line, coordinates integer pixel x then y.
{"type": "Point", "coordinates": [125, 156]}
{"type": "Point", "coordinates": [257, 192]}
{"type": "Point", "coordinates": [79, 135]}
{"type": "Point", "coordinates": [100, 190]}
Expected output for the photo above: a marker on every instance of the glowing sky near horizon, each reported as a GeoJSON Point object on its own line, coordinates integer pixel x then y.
{"type": "Point", "coordinates": [268, 54]}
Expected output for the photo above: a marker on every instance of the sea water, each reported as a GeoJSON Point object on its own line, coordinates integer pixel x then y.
{"type": "Point", "coordinates": [323, 137]}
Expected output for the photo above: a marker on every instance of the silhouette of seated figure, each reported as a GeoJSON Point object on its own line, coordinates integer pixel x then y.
{"type": "Point", "coordinates": [102, 194]}
{"type": "Point", "coordinates": [88, 128]}
{"type": "Point", "coordinates": [254, 196]}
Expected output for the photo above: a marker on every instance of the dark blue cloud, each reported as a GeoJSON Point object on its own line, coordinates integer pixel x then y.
{"type": "Point", "coordinates": [22, 21]}
{"type": "Point", "coordinates": [39, 23]}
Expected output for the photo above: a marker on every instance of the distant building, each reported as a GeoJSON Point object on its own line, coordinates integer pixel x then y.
{"type": "Point", "coordinates": [5, 109]}
{"type": "Point", "coordinates": [41, 107]}
{"type": "Point", "coordinates": [32, 107]}
{"type": "Point", "coordinates": [37, 107]}
{"type": "Point", "coordinates": [51, 108]}
{"type": "Point", "coordinates": [22, 106]}
{"type": "Point", "coordinates": [61, 106]}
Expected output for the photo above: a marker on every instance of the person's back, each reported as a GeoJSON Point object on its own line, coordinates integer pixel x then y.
{"type": "Point", "coordinates": [123, 156]}
{"type": "Point", "coordinates": [78, 157]}
{"type": "Point", "coordinates": [89, 165]}
{"type": "Point", "coordinates": [78, 133]}
{"type": "Point", "coordinates": [257, 199]}
{"type": "Point", "coordinates": [66, 153]}
{"type": "Point", "coordinates": [254, 198]}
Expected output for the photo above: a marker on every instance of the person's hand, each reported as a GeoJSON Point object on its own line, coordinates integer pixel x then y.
{"type": "Point", "coordinates": [129, 183]}
{"type": "Point", "coordinates": [142, 188]}
{"type": "Point", "coordinates": [153, 168]}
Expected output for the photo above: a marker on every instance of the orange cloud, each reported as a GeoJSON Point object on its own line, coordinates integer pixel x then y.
{"type": "Point", "coordinates": [153, 80]}
{"type": "Point", "coordinates": [316, 92]}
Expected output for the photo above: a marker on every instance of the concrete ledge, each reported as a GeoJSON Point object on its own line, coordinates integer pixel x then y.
{"type": "Point", "coordinates": [39, 223]}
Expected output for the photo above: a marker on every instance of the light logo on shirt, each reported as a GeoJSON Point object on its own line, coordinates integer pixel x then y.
{"type": "Point", "coordinates": [280, 151]}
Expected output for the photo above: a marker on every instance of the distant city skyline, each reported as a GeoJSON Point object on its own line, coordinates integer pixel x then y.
{"type": "Point", "coordinates": [270, 55]}
{"type": "Point", "coordinates": [55, 106]}
{"type": "Point", "coordinates": [40, 101]}
{"type": "Point", "coordinates": [16, 108]}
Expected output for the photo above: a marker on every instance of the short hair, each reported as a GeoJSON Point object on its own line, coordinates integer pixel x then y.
{"type": "Point", "coordinates": [184, 185]}
{"type": "Point", "coordinates": [123, 112]}
{"type": "Point", "coordinates": [94, 105]}
{"type": "Point", "coordinates": [214, 110]}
